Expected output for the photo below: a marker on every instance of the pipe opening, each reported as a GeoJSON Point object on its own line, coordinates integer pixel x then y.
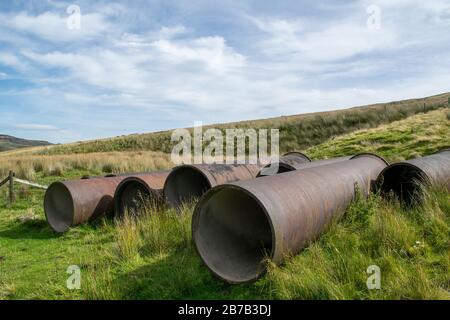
{"type": "Point", "coordinates": [59, 208]}
{"type": "Point", "coordinates": [282, 167]}
{"type": "Point", "coordinates": [405, 181]}
{"type": "Point", "coordinates": [130, 197]}
{"type": "Point", "coordinates": [185, 184]}
{"type": "Point", "coordinates": [233, 235]}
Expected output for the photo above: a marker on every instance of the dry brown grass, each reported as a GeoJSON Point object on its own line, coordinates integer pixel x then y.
{"type": "Point", "coordinates": [27, 166]}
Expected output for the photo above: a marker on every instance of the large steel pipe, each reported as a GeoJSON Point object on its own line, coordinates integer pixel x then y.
{"type": "Point", "coordinates": [187, 182]}
{"type": "Point", "coordinates": [69, 203]}
{"type": "Point", "coordinates": [406, 180]}
{"type": "Point", "coordinates": [236, 226]}
{"type": "Point", "coordinates": [132, 192]}
{"type": "Point", "coordinates": [287, 162]}
{"type": "Point", "coordinates": [286, 167]}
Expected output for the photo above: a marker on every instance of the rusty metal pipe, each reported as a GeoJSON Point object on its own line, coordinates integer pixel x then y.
{"type": "Point", "coordinates": [133, 191]}
{"type": "Point", "coordinates": [236, 226]}
{"type": "Point", "coordinates": [287, 162]}
{"type": "Point", "coordinates": [73, 202]}
{"type": "Point", "coordinates": [407, 179]}
{"type": "Point", "coordinates": [285, 166]}
{"type": "Point", "coordinates": [187, 182]}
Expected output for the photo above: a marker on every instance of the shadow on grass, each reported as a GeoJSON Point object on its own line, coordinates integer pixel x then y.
{"type": "Point", "coordinates": [32, 229]}
{"type": "Point", "coordinates": [179, 275]}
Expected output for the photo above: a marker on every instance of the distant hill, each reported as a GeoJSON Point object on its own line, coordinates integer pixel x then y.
{"type": "Point", "coordinates": [10, 143]}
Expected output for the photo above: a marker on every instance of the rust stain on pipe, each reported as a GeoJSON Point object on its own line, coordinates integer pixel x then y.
{"type": "Point", "coordinates": [133, 191]}
{"type": "Point", "coordinates": [187, 182]}
{"type": "Point", "coordinates": [406, 179]}
{"type": "Point", "coordinates": [236, 226]}
{"type": "Point", "coordinates": [69, 203]}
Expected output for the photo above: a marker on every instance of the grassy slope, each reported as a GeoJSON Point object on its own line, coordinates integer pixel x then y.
{"type": "Point", "coordinates": [416, 136]}
{"type": "Point", "coordinates": [154, 258]}
{"type": "Point", "coordinates": [296, 132]}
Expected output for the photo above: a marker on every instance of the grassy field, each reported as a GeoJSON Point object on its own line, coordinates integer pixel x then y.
{"type": "Point", "coordinates": [154, 258]}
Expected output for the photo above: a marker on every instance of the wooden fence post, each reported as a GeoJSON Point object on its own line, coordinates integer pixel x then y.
{"type": "Point", "coordinates": [11, 187]}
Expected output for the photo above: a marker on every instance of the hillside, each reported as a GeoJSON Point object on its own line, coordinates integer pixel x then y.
{"type": "Point", "coordinates": [153, 258]}
{"type": "Point", "coordinates": [11, 143]}
{"type": "Point", "coordinates": [296, 131]}
{"type": "Point", "coordinates": [415, 136]}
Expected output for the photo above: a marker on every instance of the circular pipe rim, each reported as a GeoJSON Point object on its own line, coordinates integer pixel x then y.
{"type": "Point", "coordinates": [424, 178]}
{"type": "Point", "coordinates": [204, 173]}
{"type": "Point", "coordinates": [53, 185]}
{"type": "Point", "coordinates": [298, 153]}
{"type": "Point", "coordinates": [195, 221]}
{"type": "Point", "coordinates": [362, 154]}
{"type": "Point", "coordinates": [122, 186]}
{"type": "Point", "coordinates": [403, 164]}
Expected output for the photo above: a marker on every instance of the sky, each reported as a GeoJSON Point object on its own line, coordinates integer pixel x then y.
{"type": "Point", "coordinates": [80, 70]}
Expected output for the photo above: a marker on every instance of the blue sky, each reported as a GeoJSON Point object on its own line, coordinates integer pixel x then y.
{"type": "Point", "coordinates": [141, 66]}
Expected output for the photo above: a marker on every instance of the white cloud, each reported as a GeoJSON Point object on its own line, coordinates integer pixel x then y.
{"type": "Point", "coordinates": [53, 27]}
{"type": "Point", "coordinates": [35, 127]}
{"type": "Point", "coordinates": [211, 51]}
{"type": "Point", "coordinates": [102, 68]}
{"type": "Point", "coordinates": [337, 40]}
{"type": "Point", "coordinates": [13, 61]}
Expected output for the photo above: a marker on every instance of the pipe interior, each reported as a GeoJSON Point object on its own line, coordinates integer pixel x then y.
{"type": "Point", "coordinates": [131, 197]}
{"type": "Point", "coordinates": [233, 235]}
{"type": "Point", "coordinates": [404, 181]}
{"type": "Point", "coordinates": [59, 208]}
{"type": "Point", "coordinates": [185, 184]}
{"type": "Point", "coordinates": [282, 167]}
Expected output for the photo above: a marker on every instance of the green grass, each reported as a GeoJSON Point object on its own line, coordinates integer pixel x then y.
{"type": "Point", "coordinates": [154, 258]}
{"type": "Point", "coordinates": [418, 135]}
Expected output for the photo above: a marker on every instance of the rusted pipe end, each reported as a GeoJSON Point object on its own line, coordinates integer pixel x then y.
{"type": "Point", "coordinates": [298, 154]}
{"type": "Point", "coordinates": [368, 154]}
{"type": "Point", "coordinates": [185, 183]}
{"type": "Point", "coordinates": [233, 234]}
{"type": "Point", "coordinates": [404, 180]}
{"type": "Point", "coordinates": [131, 194]}
{"type": "Point", "coordinates": [59, 207]}
{"type": "Point", "coordinates": [287, 162]}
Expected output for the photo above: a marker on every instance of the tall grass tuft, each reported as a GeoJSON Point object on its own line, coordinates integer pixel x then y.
{"type": "Point", "coordinates": [152, 230]}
